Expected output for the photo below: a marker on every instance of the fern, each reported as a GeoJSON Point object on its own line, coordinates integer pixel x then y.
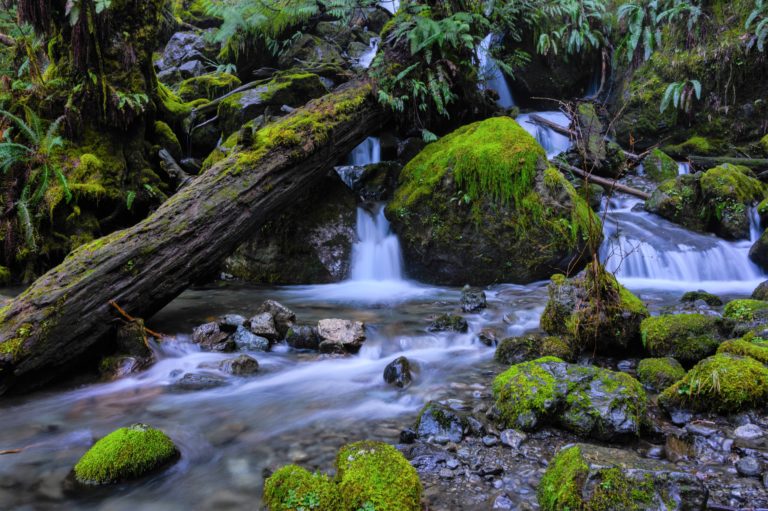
{"type": "Point", "coordinates": [681, 94]}
{"type": "Point", "coordinates": [757, 22]}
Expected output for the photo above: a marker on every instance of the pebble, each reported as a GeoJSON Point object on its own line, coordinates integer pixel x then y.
{"type": "Point", "coordinates": [490, 441]}
{"type": "Point", "coordinates": [749, 466]}
{"type": "Point", "coordinates": [748, 432]}
{"type": "Point", "coordinates": [513, 438]}
{"type": "Point", "coordinates": [701, 428]}
{"type": "Point", "coordinates": [446, 473]}
{"type": "Point", "coordinates": [452, 463]}
{"type": "Point", "coordinates": [503, 502]}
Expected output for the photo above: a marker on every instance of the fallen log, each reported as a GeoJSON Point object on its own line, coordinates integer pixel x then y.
{"type": "Point", "coordinates": [610, 184]}
{"type": "Point", "coordinates": [572, 134]}
{"type": "Point", "coordinates": [66, 314]}
{"type": "Point", "coordinates": [714, 161]}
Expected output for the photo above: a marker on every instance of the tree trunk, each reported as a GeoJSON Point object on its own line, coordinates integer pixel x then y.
{"type": "Point", "coordinates": [65, 315]}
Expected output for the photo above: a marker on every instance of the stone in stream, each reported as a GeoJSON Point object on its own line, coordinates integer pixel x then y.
{"type": "Point", "coordinates": [586, 476]}
{"type": "Point", "coordinates": [760, 292]}
{"type": "Point", "coordinates": [709, 298]}
{"type": "Point", "coordinates": [194, 382]}
{"type": "Point", "coordinates": [263, 325]}
{"type": "Point", "coordinates": [515, 350]}
{"type": "Point", "coordinates": [441, 424]}
{"type": "Point", "coordinates": [240, 366]}
{"type": "Point", "coordinates": [448, 323]}
{"type": "Point", "coordinates": [230, 322]}
{"type": "Point", "coordinates": [398, 372]}
{"type": "Point", "coordinates": [340, 335]}
{"type": "Point", "coordinates": [748, 432]}
{"type": "Point", "coordinates": [472, 300]}
{"type": "Point", "coordinates": [282, 316]}
{"type": "Point", "coordinates": [302, 337]}
{"type": "Point", "coordinates": [687, 338]}
{"type": "Point", "coordinates": [210, 337]}
{"type": "Point", "coordinates": [125, 454]}
{"type": "Point", "coordinates": [248, 341]}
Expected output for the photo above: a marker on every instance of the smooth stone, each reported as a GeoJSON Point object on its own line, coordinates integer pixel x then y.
{"type": "Point", "coordinates": [263, 325]}
{"type": "Point", "coordinates": [340, 335]}
{"type": "Point", "coordinates": [749, 466]}
{"type": "Point", "coordinates": [748, 432]}
{"type": "Point", "coordinates": [240, 366]}
{"type": "Point", "coordinates": [232, 320]}
{"type": "Point", "coordinates": [194, 381]}
{"type": "Point", "coordinates": [398, 372]}
{"type": "Point", "coordinates": [701, 428]}
{"type": "Point", "coordinates": [490, 441]}
{"type": "Point", "coordinates": [513, 438]}
{"type": "Point", "coordinates": [248, 341]}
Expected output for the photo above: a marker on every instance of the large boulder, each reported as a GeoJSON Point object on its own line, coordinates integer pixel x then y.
{"type": "Point", "coordinates": [597, 313]}
{"type": "Point", "coordinates": [184, 57]}
{"type": "Point", "coordinates": [481, 205]}
{"type": "Point", "coordinates": [723, 383]}
{"type": "Point", "coordinates": [591, 478]}
{"type": "Point", "coordinates": [658, 374]}
{"type": "Point", "coordinates": [310, 243]}
{"type": "Point", "coordinates": [587, 400]}
{"type": "Point", "coordinates": [659, 166]}
{"type": "Point", "coordinates": [686, 337]}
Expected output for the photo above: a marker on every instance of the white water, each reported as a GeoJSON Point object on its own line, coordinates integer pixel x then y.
{"type": "Point", "coordinates": [553, 143]}
{"type": "Point", "coordinates": [493, 77]}
{"type": "Point", "coordinates": [366, 58]}
{"type": "Point", "coordinates": [377, 254]}
{"type": "Point", "coordinates": [683, 167]}
{"type": "Point", "coordinates": [391, 5]}
{"type": "Point", "coordinates": [368, 152]}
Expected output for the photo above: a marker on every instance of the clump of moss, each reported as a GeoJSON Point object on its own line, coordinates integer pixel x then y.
{"type": "Point", "coordinates": [659, 166]}
{"type": "Point", "coordinates": [686, 337]}
{"type": "Point", "coordinates": [559, 488]}
{"type": "Point", "coordinates": [514, 350]}
{"type": "Point", "coordinates": [709, 298]}
{"type": "Point", "coordinates": [167, 139]}
{"type": "Point", "coordinates": [210, 86]}
{"type": "Point", "coordinates": [659, 373]}
{"type": "Point", "coordinates": [526, 391]}
{"type": "Point", "coordinates": [377, 475]}
{"type": "Point", "coordinates": [292, 488]}
{"type": "Point", "coordinates": [125, 454]}
{"type": "Point", "coordinates": [764, 144]}
{"type": "Point", "coordinates": [755, 347]}
{"type": "Point", "coordinates": [5, 275]}
{"type": "Point", "coordinates": [722, 383]}
{"type": "Point", "coordinates": [744, 310]}
{"type": "Point", "coordinates": [696, 145]}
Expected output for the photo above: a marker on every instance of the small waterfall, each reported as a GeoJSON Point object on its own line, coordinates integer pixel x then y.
{"type": "Point", "coordinates": [648, 252]}
{"type": "Point", "coordinates": [366, 153]}
{"type": "Point", "coordinates": [366, 58]}
{"type": "Point", "coordinates": [683, 168]}
{"type": "Point", "coordinates": [376, 255]}
{"type": "Point", "coordinates": [755, 229]}
{"type": "Point", "coordinates": [494, 78]}
{"type": "Point", "coordinates": [553, 142]}
{"type": "Point", "coordinates": [594, 84]}
{"type": "Point", "coordinates": [391, 5]}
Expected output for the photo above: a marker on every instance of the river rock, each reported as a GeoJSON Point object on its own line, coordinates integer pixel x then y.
{"type": "Point", "coordinates": [302, 337]}
{"type": "Point", "coordinates": [587, 400]}
{"type": "Point", "coordinates": [448, 323]}
{"type": "Point", "coordinates": [586, 476]}
{"type": "Point", "coordinates": [748, 432]}
{"type": "Point", "coordinates": [240, 366]}
{"type": "Point", "coordinates": [749, 466]}
{"type": "Point", "coordinates": [263, 325]}
{"type": "Point", "coordinates": [515, 350]}
{"type": "Point", "coordinates": [459, 209]}
{"type": "Point", "coordinates": [441, 424]}
{"type": "Point", "coordinates": [195, 381]}
{"type": "Point", "coordinates": [687, 338]}
{"type": "Point", "coordinates": [659, 373]}
{"type": "Point", "coordinates": [512, 438]}
{"type": "Point", "coordinates": [282, 316]}
{"type": "Point", "coordinates": [230, 322]}
{"type": "Point", "coordinates": [340, 335]}
{"type": "Point", "coordinates": [708, 298]}
{"type": "Point", "coordinates": [248, 341]}
{"type": "Point", "coordinates": [761, 291]}
{"type": "Point", "coordinates": [113, 368]}
{"type": "Point", "coordinates": [472, 300]}
{"type": "Point", "coordinates": [398, 372]}
{"type": "Point", "coordinates": [210, 337]}
{"type": "Point", "coordinates": [131, 339]}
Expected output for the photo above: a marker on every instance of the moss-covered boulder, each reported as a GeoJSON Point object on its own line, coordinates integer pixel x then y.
{"type": "Point", "coordinates": [748, 315]}
{"type": "Point", "coordinates": [686, 337]}
{"type": "Point", "coordinates": [679, 200]}
{"type": "Point", "coordinates": [377, 476]}
{"type": "Point", "coordinates": [480, 206]}
{"type": "Point", "coordinates": [195, 13]}
{"type": "Point", "coordinates": [292, 488]}
{"type": "Point", "coordinates": [722, 383]}
{"type": "Point", "coordinates": [597, 313]}
{"type": "Point", "coordinates": [659, 373]}
{"type": "Point", "coordinates": [659, 166]}
{"type": "Point", "coordinates": [592, 478]}
{"type": "Point", "coordinates": [761, 292]}
{"type": "Point", "coordinates": [309, 243]}
{"type": "Point", "coordinates": [125, 454]}
{"type": "Point", "coordinates": [514, 350]}
{"type": "Point", "coordinates": [758, 254]}
{"type": "Point", "coordinates": [749, 346]}
{"type": "Point", "coordinates": [708, 298]}
{"type": "Point", "coordinates": [210, 86]}
{"type": "Point", "coordinates": [587, 400]}
{"type": "Point", "coordinates": [167, 139]}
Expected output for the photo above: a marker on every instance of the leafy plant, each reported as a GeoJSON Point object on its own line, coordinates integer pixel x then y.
{"type": "Point", "coordinates": [572, 27]}
{"type": "Point", "coordinates": [758, 23]}
{"type": "Point", "coordinates": [681, 95]}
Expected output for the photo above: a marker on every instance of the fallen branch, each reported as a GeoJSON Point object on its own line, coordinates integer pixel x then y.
{"type": "Point", "coordinates": [609, 183]}
{"type": "Point", "coordinates": [11, 451]}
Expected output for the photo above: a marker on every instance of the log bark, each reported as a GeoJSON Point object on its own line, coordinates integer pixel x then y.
{"type": "Point", "coordinates": [66, 315]}
{"type": "Point", "coordinates": [713, 161]}
{"type": "Point", "coordinates": [608, 183]}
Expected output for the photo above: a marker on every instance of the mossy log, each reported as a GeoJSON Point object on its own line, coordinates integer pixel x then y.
{"type": "Point", "coordinates": [707, 162]}
{"type": "Point", "coordinates": [62, 319]}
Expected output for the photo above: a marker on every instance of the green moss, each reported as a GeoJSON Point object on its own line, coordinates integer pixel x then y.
{"type": "Point", "coordinates": [685, 337]}
{"type": "Point", "coordinates": [377, 475]}
{"type": "Point", "coordinates": [709, 298]}
{"type": "Point", "coordinates": [210, 86]}
{"type": "Point", "coordinates": [732, 182]}
{"type": "Point", "coordinates": [659, 166]}
{"type": "Point", "coordinates": [764, 144]}
{"type": "Point", "coordinates": [5, 275]}
{"type": "Point", "coordinates": [744, 310]}
{"type": "Point", "coordinates": [560, 487]}
{"type": "Point", "coordinates": [167, 139]}
{"type": "Point", "coordinates": [695, 145]}
{"type": "Point", "coordinates": [756, 348]}
{"type": "Point", "coordinates": [293, 488]}
{"type": "Point", "coordinates": [125, 454]}
{"type": "Point", "coordinates": [525, 389]}
{"type": "Point", "coordinates": [659, 373]}
{"type": "Point", "coordinates": [722, 383]}
{"type": "Point", "coordinates": [514, 350]}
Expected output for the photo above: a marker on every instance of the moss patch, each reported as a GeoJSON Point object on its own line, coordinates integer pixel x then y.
{"type": "Point", "coordinates": [659, 373]}
{"type": "Point", "coordinates": [744, 310]}
{"type": "Point", "coordinates": [686, 337]}
{"type": "Point", "coordinates": [210, 86]}
{"type": "Point", "coordinates": [292, 488]}
{"type": "Point", "coordinates": [659, 166]}
{"type": "Point", "coordinates": [709, 298]}
{"type": "Point", "coordinates": [125, 454]}
{"type": "Point", "coordinates": [756, 348]}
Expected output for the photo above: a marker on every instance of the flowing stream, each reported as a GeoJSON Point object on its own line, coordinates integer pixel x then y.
{"type": "Point", "coordinates": [493, 76]}
{"type": "Point", "coordinates": [301, 407]}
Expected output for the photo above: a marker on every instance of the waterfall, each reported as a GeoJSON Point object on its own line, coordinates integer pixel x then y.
{"type": "Point", "coordinates": [366, 58]}
{"type": "Point", "coordinates": [391, 5]}
{"type": "Point", "coordinates": [494, 78]}
{"type": "Point", "coordinates": [594, 84]}
{"type": "Point", "coordinates": [376, 255]}
{"type": "Point", "coordinates": [553, 142]}
{"type": "Point", "coordinates": [755, 229]}
{"type": "Point", "coordinates": [369, 151]}
{"type": "Point", "coordinates": [648, 252]}
{"type": "Point", "coordinates": [683, 167]}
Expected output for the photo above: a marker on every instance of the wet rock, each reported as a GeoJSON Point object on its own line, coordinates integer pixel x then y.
{"type": "Point", "coordinates": [398, 372]}
{"type": "Point", "coordinates": [749, 316]}
{"type": "Point", "coordinates": [240, 366]}
{"type": "Point", "coordinates": [708, 298]}
{"type": "Point", "coordinates": [748, 432]}
{"type": "Point", "coordinates": [263, 325]}
{"type": "Point", "coordinates": [749, 466]}
{"type": "Point", "coordinates": [502, 502]}
{"type": "Point", "coordinates": [512, 438]}
{"type": "Point", "coordinates": [248, 341]}
{"type": "Point", "coordinates": [687, 338]}
{"type": "Point", "coordinates": [210, 337]}
{"type": "Point", "coordinates": [131, 340]}
{"type": "Point", "coordinates": [659, 373]}
{"type": "Point", "coordinates": [183, 57]}
{"type": "Point", "coordinates": [587, 400]}
{"type": "Point", "coordinates": [113, 368]}
{"type": "Point", "coordinates": [488, 337]}
{"type": "Point", "coordinates": [194, 381]}
{"type": "Point", "coordinates": [761, 291]}
{"type": "Point", "coordinates": [230, 322]}
{"type": "Point", "coordinates": [448, 323]}
{"type": "Point", "coordinates": [340, 335]}
{"type": "Point", "coordinates": [282, 316]}
{"type": "Point", "coordinates": [408, 436]}
{"type": "Point", "coordinates": [490, 441]}
{"type": "Point", "coordinates": [303, 338]}
{"type": "Point", "coordinates": [591, 477]}
{"type": "Point", "coordinates": [440, 422]}
{"type": "Point", "coordinates": [515, 350]}
{"type": "Point", "coordinates": [472, 300]}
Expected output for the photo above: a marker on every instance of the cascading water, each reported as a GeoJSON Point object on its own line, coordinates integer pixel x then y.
{"type": "Point", "coordinates": [648, 252]}
{"type": "Point", "coordinates": [683, 167]}
{"type": "Point", "coordinates": [377, 254]}
{"type": "Point", "coordinates": [553, 142]}
{"type": "Point", "coordinates": [391, 5]}
{"type": "Point", "coordinates": [366, 58]}
{"type": "Point", "coordinates": [368, 152]}
{"type": "Point", "coordinates": [494, 78]}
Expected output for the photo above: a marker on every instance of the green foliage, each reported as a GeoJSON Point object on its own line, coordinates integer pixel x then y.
{"type": "Point", "coordinates": [579, 26]}
{"type": "Point", "coordinates": [757, 22]}
{"type": "Point", "coordinates": [659, 373]}
{"type": "Point", "coordinates": [681, 94]}
{"type": "Point", "coordinates": [293, 488]}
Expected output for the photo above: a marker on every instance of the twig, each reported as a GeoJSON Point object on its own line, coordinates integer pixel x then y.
{"type": "Point", "coordinates": [11, 451]}
{"type": "Point", "coordinates": [131, 319]}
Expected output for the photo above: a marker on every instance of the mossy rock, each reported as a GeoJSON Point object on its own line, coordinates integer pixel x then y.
{"type": "Point", "coordinates": [610, 325]}
{"type": "Point", "coordinates": [761, 292]}
{"type": "Point", "coordinates": [696, 145]}
{"type": "Point", "coordinates": [709, 298]}
{"type": "Point", "coordinates": [748, 315]}
{"type": "Point", "coordinates": [167, 139]}
{"type": "Point", "coordinates": [377, 475]}
{"type": "Point", "coordinates": [659, 373]}
{"type": "Point", "coordinates": [764, 144]}
{"type": "Point", "coordinates": [514, 350]}
{"type": "Point", "coordinates": [195, 13]}
{"type": "Point", "coordinates": [592, 478]}
{"type": "Point", "coordinates": [758, 254]}
{"type": "Point", "coordinates": [480, 206]}
{"type": "Point", "coordinates": [680, 200]}
{"type": "Point", "coordinates": [587, 400]}
{"type": "Point", "coordinates": [125, 454]}
{"type": "Point", "coordinates": [210, 86]}
{"type": "Point", "coordinates": [722, 383]}
{"type": "Point", "coordinates": [659, 166]}
{"type": "Point", "coordinates": [292, 488]}
{"type": "Point", "coordinates": [730, 190]}
{"type": "Point", "coordinates": [686, 337]}
{"type": "Point", "coordinates": [749, 346]}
